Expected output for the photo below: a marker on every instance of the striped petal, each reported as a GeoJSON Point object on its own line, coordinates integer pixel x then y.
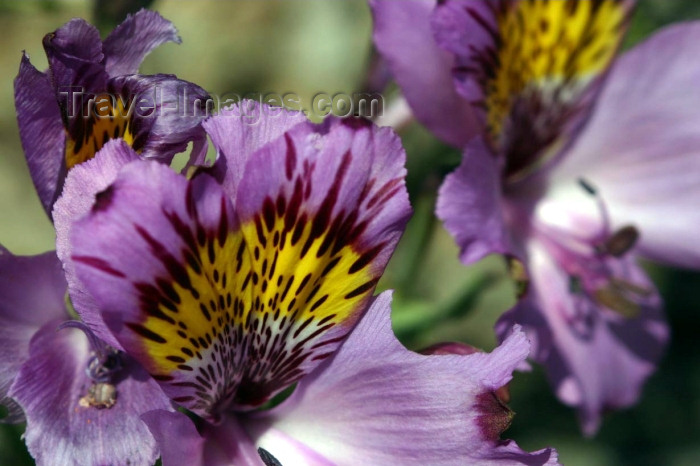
{"type": "Point", "coordinates": [240, 130]}
{"type": "Point", "coordinates": [83, 184]}
{"type": "Point", "coordinates": [40, 130]}
{"type": "Point", "coordinates": [227, 307]}
{"type": "Point", "coordinates": [156, 115]}
{"type": "Point", "coordinates": [531, 68]}
{"type": "Point", "coordinates": [327, 187]}
{"type": "Point", "coordinates": [402, 34]}
{"type": "Point", "coordinates": [375, 402]}
{"type": "Point", "coordinates": [324, 209]}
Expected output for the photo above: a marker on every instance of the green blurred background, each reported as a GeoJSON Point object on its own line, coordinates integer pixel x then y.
{"type": "Point", "coordinates": [311, 46]}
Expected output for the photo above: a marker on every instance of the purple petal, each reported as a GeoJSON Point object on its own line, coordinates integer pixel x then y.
{"type": "Point", "coordinates": [345, 180]}
{"type": "Point", "coordinates": [177, 438]}
{"type": "Point", "coordinates": [470, 204]}
{"type": "Point", "coordinates": [166, 113]}
{"type": "Point", "coordinates": [515, 64]}
{"type": "Point", "coordinates": [82, 186]}
{"type": "Point", "coordinates": [641, 147]}
{"type": "Point", "coordinates": [40, 129]}
{"type": "Point", "coordinates": [375, 402]}
{"type": "Point", "coordinates": [77, 39]}
{"type": "Point", "coordinates": [181, 445]}
{"type": "Point", "coordinates": [129, 43]}
{"type": "Point", "coordinates": [464, 28]}
{"type": "Point", "coordinates": [61, 427]}
{"type": "Point", "coordinates": [75, 54]}
{"type": "Point", "coordinates": [596, 359]}
{"type": "Point", "coordinates": [228, 443]}
{"type": "Point", "coordinates": [158, 115]}
{"type": "Point", "coordinates": [403, 35]}
{"type": "Point", "coordinates": [32, 292]}
{"type": "Point", "coordinates": [222, 444]}
{"type": "Point", "coordinates": [240, 130]}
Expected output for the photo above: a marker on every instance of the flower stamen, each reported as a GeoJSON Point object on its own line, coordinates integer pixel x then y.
{"type": "Point", "coordinates": [100, 395]}
{"type": "Point", "coordinates": [619, 243]}
{"type": "Point", "coordinates": [102, 368]}
{"type": "Point", "coordinates": [590, 262]}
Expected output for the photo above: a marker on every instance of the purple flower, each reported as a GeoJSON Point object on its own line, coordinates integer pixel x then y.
{"type": "Point", "coordinates": [574, 191]}
{"type": "Point", "coordinates": [233, 286]}
{"type": "Point", "coordinates": [91, 94]}
{"type": "Point", "coordinates": [81, 400]}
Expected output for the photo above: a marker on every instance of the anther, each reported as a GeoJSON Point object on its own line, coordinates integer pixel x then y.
{"type": "Point", "coordinates": [587, 187]}
{"type": "Point", "coordinates": [100, 396]}
{"type": "Point", "coordinates": [104, 365]}
{"type": "Point", "coordinates": [612, 297]}
{"type": "Point", "coordinates": [618, 296]}
{"type": "Point", "coordinates": [620, 242]}
{"type": "Point", "coordinates": [267, 458]}
{"type": "Point", "coordinates": [629, 287]}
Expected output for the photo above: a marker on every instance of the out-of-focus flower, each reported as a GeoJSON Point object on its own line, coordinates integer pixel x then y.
{"type": "Point", "coordinates": [573, 190]}
{"type": "Point", "coordinates": [81, 400]}
{"type": "Point", "coordinates": [91, 94]}
{"type": "Point", "coordinates": [232, 286]}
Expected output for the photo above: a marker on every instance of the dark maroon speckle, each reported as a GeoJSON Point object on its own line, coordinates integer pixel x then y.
{"type": "Point", "coordinates": [103, 199]}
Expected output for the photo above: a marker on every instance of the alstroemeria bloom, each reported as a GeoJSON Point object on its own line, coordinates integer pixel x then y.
{"type": "Point", "coordinates": [91, 94]}
{"type": "Point", "coordinates": [231, 288]}
{"type": "Point", "coordinates": [573, 190]}
{"type": "Point", "coordinates": [60, 381]}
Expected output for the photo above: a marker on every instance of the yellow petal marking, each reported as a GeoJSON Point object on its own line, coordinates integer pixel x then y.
{"type": "Point", "coordinates": [109, 119]}
{"type": "Point", "coordinates": [547, 45]}
{"type": "Point", "coordinates": [237, 292]}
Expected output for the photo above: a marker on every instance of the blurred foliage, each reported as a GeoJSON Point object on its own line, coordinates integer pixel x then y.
{"type": "Point", "coordinates": [109, 13]}
{"type": "Point", "coordinates": [312, 46]}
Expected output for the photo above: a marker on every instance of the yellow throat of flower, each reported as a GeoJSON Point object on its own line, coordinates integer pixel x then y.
{"type": "Point", "coordinates": [546, 45]}
{"type": "Point", "coordinates": [109, 119]}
